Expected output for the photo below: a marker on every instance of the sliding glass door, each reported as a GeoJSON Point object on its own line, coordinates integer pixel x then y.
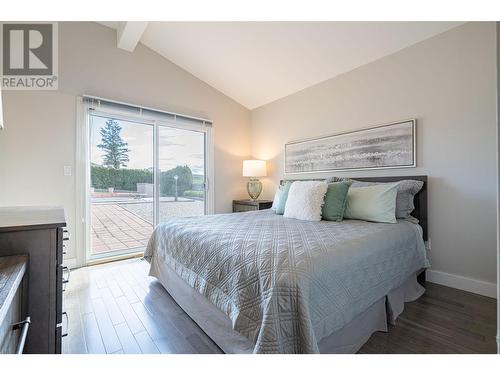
{"type": "Point", "coordinates": [142, 172]}
{"type": "Point", "coordinates": [121, 185]}
{"type": "Point", "coordinates": [181, 159]}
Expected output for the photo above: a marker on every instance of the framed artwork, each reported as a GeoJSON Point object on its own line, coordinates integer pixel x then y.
{"type": "Point", "coordinates": [385, 146]}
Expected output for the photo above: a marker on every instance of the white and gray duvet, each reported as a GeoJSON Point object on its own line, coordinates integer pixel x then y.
{"type": "Point", "coordinates": [287, 283]}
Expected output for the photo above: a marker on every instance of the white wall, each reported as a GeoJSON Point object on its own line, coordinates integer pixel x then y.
{"type": "Point", "coordinates": [449, 84]}
{"type": "Point", "coordinates": [39, 137]}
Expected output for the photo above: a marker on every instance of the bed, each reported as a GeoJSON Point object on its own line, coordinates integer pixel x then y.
{"type": "Point", "coordinates": [257, 282]}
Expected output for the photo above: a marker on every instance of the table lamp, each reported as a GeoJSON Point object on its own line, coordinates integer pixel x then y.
{"type": "Point", "coordinates": [254, 169]}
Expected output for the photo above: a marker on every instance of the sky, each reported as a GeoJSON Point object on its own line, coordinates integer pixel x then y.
{"type": "Point", "coordinates": [176, 146]}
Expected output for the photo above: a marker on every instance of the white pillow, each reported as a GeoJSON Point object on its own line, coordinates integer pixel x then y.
{"type": "Point", "coordinates": [305, 200]}
{"type": "Point", "coordinates": [277, 197]}
{"type": "Point", "coordinates": [372, 203]}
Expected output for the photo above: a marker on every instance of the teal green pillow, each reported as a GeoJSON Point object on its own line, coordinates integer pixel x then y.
{"type": "Point", "coordinates": [280, 206]}
{"type": "Point", "coordinates": [335, 201]}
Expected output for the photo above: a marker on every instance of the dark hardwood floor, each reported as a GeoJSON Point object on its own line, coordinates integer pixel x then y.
{"type": "Point", "coordinates": [444, 320]}
{"type": "Point", "coordinates": [116, 308]}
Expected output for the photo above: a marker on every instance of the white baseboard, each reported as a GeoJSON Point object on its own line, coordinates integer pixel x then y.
{"type": "Point", "coordinates": [483, 288]}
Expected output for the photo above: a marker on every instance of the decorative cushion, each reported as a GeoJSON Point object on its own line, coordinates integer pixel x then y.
{"type": "Point", "coordinates": [305, 200]}
{"type": "Point", "coordinates": [277, 195]}
{"type": "Point", "coordinates": [407, 189]}
{"type": "Point", "coordinates": [335, 201]}
{"type": "Point", "coordinates": [372, 203]}
{"type": "Point", "coordinates": [281, 201]}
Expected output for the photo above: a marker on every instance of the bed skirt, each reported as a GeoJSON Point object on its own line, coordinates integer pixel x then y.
{"type": "Point", "coordinates": [349, 339]}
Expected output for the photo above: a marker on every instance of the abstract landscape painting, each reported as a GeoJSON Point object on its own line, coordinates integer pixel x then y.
{"type": "Point", "coordinates": [385, 146]}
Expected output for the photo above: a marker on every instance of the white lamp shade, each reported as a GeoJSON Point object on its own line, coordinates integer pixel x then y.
{"type": "Point", "coordinates": [254, 168]}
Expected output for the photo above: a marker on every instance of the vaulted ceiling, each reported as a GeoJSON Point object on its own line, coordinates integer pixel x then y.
{"type": "Point", "coordinates": [256, 63]}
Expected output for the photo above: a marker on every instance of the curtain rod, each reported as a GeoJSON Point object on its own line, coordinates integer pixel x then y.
{"type": "Point", "coordinates": [146, 108]}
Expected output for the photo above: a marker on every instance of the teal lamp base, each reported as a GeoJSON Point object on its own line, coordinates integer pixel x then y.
{"type": "Point", "coordinates": [254, 188]}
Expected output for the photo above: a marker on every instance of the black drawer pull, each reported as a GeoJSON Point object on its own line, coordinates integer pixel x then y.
{"type": "Point", "coordinates": [23, 326]}
{"type": "Point", "coordinates": [67, 324]}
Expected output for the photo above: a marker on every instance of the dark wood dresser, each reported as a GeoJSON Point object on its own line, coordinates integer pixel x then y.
{"type": "Point", "coordinates": [39, 233]}
{"type": "Point", "coordinates": [243, 205]}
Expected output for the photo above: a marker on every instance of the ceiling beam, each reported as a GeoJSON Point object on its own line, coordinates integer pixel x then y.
{"type": "Point", "coordinates": [129, 34]}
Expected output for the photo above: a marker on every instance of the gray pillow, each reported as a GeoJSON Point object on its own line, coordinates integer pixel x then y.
{"type": "Point", "coordinates": [407, 189]}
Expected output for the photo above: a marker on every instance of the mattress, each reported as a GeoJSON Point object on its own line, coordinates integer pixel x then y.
{"type": "Point", "coordinates": [285, 284]}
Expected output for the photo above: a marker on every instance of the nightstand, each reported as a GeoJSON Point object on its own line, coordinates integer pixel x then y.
{"type": "Point", "coordinates": [244, 205]}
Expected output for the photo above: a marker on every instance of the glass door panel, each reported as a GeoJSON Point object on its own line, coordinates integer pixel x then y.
{"type": "Point", "coordinates": [181, 179]}
{"type": "Point", "coordinates": [121, 185]}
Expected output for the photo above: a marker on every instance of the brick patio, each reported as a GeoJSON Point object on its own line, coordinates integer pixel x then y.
{"type": "Point", "coordinates": [115, 228]}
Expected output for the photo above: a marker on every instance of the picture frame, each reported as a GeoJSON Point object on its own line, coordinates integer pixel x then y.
{"type": "Point", "coordinates": [386, 146]}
